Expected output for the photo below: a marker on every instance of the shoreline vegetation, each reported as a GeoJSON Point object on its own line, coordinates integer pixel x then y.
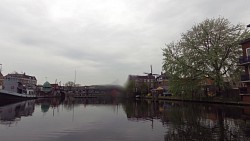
{"type": "Point", "coordinates": [216, 100]}
{"type": "Point", "coordinates": [203, 66]}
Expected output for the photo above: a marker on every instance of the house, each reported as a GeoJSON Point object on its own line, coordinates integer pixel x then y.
{"type": "Point", "coordinates": [28, 81]}
{"type": "Point", "coordinates": [162, 80]}
{"type": "Point", "coordinates": [142, 84]}
{"type": "Point", "coordinates": [244, 61]}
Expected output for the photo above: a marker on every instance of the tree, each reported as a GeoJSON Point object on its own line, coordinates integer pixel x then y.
{"type": "Point", "coordinates": [69, 84]}
{"type": "Point", "coordinates": [130, 88]}
{"type": "Point", "coordinates": [209, 49]}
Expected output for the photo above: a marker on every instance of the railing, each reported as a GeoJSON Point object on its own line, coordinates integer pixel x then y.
{"type": "Point", "coordinates": [244, 59]}
{"type": "Point", "coordinates": [245, 77]}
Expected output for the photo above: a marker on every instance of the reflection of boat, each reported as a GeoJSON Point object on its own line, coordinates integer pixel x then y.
{"type": "Point", "coordinates": [13, 112]}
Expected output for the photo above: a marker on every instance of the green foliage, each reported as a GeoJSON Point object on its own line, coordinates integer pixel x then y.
{"type": "Point", "coordinates": [130, 88]}
{"type": "Point", "coordinates": [209, 49]}
{"type": "Point", "coordinates": [184, 87]}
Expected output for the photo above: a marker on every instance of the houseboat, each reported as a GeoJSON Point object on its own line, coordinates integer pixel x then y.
{"type": "Point", "coordinates": [14, 88]}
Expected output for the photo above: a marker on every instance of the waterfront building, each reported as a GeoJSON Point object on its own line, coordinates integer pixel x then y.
{"type": "Point", "coordinates": [47, 87]}
{"type": "Point", "coordinates": [142, 83]}
{"type": "Point", "coordinates": [19, 83]}
{"type": "Point", "coordinates": [27, 81]}
{"type": "Point", "coordinates": [244, 61]}
{"type": "Point", "coordinates": [162, 80]}
{"type": "Point", "coordinates": [1, 80]}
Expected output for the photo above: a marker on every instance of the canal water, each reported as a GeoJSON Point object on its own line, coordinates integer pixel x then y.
{"type": "Point", "coordinates": [128, 120]}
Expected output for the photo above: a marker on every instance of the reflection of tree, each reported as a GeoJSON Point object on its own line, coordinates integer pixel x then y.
{"type": "Point", "coordinates": [192, 122]}
{"type": "Point", "coordinates": [187, 121]}
{"type": "Point", "coordinates": [187, 124]}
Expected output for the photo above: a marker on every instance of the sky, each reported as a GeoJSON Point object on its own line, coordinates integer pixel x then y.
{"type": "Point", "coordinates": [99, 41]}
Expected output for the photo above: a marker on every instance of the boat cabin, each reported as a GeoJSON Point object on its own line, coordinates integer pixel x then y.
{"type": "Point", "coordinates": [13, 85]}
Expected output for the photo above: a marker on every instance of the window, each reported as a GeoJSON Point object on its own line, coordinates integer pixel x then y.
{"type": "Point", "coordinates": [248, 51]}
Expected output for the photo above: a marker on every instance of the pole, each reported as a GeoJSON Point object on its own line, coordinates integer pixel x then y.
{"type": "Point", "coordinates": [75, 78]}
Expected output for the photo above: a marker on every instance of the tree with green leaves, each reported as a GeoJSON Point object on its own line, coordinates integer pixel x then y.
{"type": "Point", "coordinates": [210, 50]}
{"type": "Point", "coordinates": [130, 88]}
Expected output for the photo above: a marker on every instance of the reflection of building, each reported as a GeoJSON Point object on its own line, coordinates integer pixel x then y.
{"type": "Point", "coordinates": [27, 80]}
{"type": "Point", "coordinates": [13, 112]}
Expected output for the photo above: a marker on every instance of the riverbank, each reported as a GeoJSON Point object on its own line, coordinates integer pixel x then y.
{"type": "Point", "coordinates": [212, 101]}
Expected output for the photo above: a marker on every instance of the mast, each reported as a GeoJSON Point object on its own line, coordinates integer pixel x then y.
{"type": "Point", "coordinates": [75, 78]}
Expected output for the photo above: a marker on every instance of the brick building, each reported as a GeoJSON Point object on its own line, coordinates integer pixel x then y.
{"type": "Point", "coordinates": [244, 61]}
{"type": "Point", "coordinates": [142, 84]}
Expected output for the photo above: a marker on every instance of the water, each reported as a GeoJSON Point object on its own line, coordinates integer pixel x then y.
{"type": "Point", "coordinates": [112, 120]}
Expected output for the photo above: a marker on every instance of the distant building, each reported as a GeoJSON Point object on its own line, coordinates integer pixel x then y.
{"type": "Point", "coordinates": [47, 87]}
{"type": "Point", "coordinates": [27, 81]}
{"type": "Point", "coordinates": [1, 80]}
{"type": "Point", "coordinates": [142, 83]}
{"type": "Point", "coordinates": [162, 80]}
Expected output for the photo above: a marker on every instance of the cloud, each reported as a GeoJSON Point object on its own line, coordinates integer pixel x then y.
{"type": "Point", "coordinates": [104, 41]}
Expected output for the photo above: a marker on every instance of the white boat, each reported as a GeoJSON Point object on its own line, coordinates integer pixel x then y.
{"type": "Point", "coordinates": [13, 89]}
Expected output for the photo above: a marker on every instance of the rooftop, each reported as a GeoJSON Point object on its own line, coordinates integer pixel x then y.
{"type": "Point", "coordinates": [17, 75]}
{"type": "Point", "coordinates": [245, 41]}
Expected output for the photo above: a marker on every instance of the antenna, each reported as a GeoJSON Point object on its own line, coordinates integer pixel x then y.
{"type": "Point", "coordinates": [75, 78]}
{"type": "Point", "coordinates": [151, 69]}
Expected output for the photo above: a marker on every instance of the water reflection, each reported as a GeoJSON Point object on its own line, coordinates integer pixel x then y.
{"type": "Point", "coordinates": [112, 119]}
{"type": "Point", "coordinates": [11, 113]}
{"type": "Point", "coordinates": [192, 121]}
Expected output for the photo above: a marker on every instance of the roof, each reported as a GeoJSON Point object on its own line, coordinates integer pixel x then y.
{"type": "Point", "coordinates": [17, 75]}
{"type": "Point", "coordinates": [133, 77]}
{"type": "Point", "coordinates": [46, 85]}
{"type": "Point", "coordinates": [163, 76]}
{"type": "Point", "coordinates": [245, 41]}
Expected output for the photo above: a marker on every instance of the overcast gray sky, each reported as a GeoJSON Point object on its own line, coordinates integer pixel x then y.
{"type": "Point", "coordinates": [103, 40]}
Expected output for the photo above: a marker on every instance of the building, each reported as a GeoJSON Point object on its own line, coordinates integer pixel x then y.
{"type": "Point", "coordinates": [244, 61]}
{"type": "Point", "coordinates": [162, 80]}
{"type": "Point", "coordinates": [47, 87]}
{"type": "Point", "coordinates": [142, 84]}
{"type": "Point", "coordinates": [27, 81]}
{"type": "Point", "coordinates": [1, 80]}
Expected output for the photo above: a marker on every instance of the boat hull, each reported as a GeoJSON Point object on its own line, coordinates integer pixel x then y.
{"type": "Point", "coordinates": [6, 95]}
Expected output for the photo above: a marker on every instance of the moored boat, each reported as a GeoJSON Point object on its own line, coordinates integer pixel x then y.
{"type": "Point", "coordinates": [10, 95]}
{"type": "Point", "coordinates": [14, 88]}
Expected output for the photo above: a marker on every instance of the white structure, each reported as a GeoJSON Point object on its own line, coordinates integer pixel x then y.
{"type": "Point", "coordinates": [27, 81]}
